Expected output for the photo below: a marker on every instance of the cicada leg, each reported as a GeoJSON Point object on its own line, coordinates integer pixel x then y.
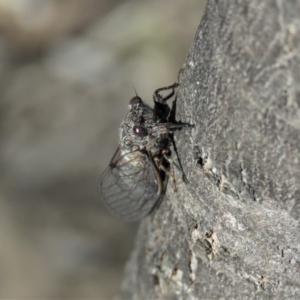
{"type": "Point", "coordinates": [158, 98]}
{"type": "Point", "coordinates": [170, 175]}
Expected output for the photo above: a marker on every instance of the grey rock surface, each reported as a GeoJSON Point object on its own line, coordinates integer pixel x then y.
{"type": "Point", "coordinates": [233, 231]}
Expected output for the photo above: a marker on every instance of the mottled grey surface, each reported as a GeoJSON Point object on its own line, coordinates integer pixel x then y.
{"type": "Point", "coordinates": [233, 231]}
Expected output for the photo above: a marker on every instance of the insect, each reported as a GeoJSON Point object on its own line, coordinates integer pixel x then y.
{"type": "Point", "coordinates": [135, 181]}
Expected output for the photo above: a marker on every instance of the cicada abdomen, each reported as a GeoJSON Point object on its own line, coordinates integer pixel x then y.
{"type": "Point", "coordinates": [131, 186]}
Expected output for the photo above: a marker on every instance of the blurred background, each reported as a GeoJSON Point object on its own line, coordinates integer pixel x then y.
{"type": "Point", "coordinates": [68, 69]}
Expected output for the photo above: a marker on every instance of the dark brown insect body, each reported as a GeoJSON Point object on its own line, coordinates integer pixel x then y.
{"type": "Point", "coordinates": [136, 177]}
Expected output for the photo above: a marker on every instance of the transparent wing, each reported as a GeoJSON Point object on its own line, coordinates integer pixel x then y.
{"type": "Point", "coordinates": [130, 187]}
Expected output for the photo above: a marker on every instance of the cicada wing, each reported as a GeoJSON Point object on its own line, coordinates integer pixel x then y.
{"type": "Point", "coordinates": [130, 187]}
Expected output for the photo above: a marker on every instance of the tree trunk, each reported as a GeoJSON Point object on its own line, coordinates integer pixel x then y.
{"type": "Point", "coordinates": [233, 231]}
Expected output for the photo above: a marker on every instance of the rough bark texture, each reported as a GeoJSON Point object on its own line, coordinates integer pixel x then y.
{"type": "Point", "coordinates": [233, 231]}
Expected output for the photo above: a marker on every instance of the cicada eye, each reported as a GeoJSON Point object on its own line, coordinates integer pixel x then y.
{"type": "Point", "coordinates": [135, 100]}
{"type": "Point", "coordinates": [139, 131]}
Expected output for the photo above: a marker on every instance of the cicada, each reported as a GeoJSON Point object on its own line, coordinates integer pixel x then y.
{"type": "Point", "coordinates": [135, 181]}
